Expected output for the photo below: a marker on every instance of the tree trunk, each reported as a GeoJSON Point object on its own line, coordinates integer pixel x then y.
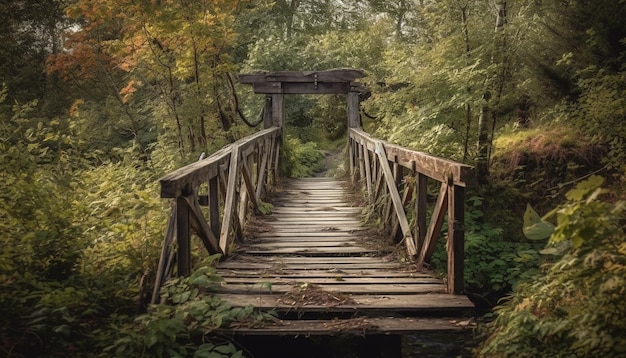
{"type": "Point", "coordinates": [482, 160]}
{"type": "Point", "coordinates": [468, 107]}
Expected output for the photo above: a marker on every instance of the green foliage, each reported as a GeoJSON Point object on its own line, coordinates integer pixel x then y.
{"type": "Point", "coordinates": [300, 159]}
{"type": "Point", "coordinates": [575, 307]}
{"type": "Point", "coordinates": [534, 227]}
{"type": "Point", "coordinates": [493, 264]}
{"type": "Point", "coordinates": [181, 326]}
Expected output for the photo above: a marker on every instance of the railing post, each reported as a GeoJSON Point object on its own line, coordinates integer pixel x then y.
{"type": "Point", "coordinates": [267, 113]}
{"type": "Point", "coordinates": [278, 110]}
{"type": "Point", "coordinates": [456, 238]}
{"type": "Point", "coordinates": [214, 206]}
{"type": "Point", "coordinates": [183, 235]}
{"type": "Point", "coordinates": [421, 204]}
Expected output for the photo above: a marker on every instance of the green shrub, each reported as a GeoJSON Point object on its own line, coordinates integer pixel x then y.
{"type": "Point", "coordinates": [575, 308]}
{"type": "Point", "coordinates": [492, 263]}
{"type": "Point", "coordinates": [301, 159]}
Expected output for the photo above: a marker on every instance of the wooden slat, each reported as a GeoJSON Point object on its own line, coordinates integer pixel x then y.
{"type": "Point", "coordinates": [416, 303]}
{"type": "Point", "coordinates": [319, 271]}
{"type": "Point", "coordinates": [371, 288]}
{"type": "Point", "coordinates": [435, 226]}
{"type": "Point", "coordinates": [321, 245]}
{"type": "Point", "coordinates": [358, 326]}
{"type": "Point", "coordinates": [229, 204]}
{"type": "Point", "coordinates": [202, 228]}
{"type": "Point", "coordinates": [397, 202]}
{"type": "Point", "coordinates": [343, 281]}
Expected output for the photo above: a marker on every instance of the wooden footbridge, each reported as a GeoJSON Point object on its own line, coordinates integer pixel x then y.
{"type": "Point", "coordinates": [311, 260]}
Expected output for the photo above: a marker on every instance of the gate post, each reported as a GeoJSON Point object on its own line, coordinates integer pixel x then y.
{"type": "Point", "coordinates": [354, 117]}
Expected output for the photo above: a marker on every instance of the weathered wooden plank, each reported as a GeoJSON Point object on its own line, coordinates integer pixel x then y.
{"type": "Point", "coordinates": [264, 275]}
{"type": "Point", "coordinates": [332, 75]}
{"type": "Point", "coordinates": [435, 167]}
{"type": "Point", "coordinates": [339, 280]}
{"type": "Point", "coordinates": [353, 110]}
{"type": "Point", "coordinates": [313, 251]}
{"type": "Point", "coordinates": [434, 228]}
{"type": "Point", "coordinates": [416, 303]}
{"type": "Point", "coordinates": [296, 244]}
{"type": "Point", "coordinates": [306, 228]}
{"type": "Point", "coordinates": [243, 258]}
{"type": "Point", "coordinates": [229, 204]}
{"type": "Point", "coordinates": [301, 88]}
{"type": "Point", "coordinates": [183, 237]}
{"type": "Point", "coordinates": [173, 183]}
{"type": "Point", "coordinates": [201, 227]}
{"type": "Point", "coordinates": [395, 198]}
{"type": "Point", "coordinates": [358, 326]}
{"type": "Point", "coordinates": [372, 288]}
{"type": "Point", "coordinates": [456, 239]}
{"type": "Point", "coordinates": [283, 236]}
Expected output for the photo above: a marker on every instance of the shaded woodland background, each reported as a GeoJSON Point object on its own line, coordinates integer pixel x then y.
{"type": "Point", "coordinates": [100, 98]}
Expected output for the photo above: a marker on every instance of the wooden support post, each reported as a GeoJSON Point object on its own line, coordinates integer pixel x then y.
{"type": "Point", "coordinates": [421, 206]}
{"type": "Point", "coordinates": [351, 157]}
{"type": "Point", "coordinates": [229, 202]}
{"type": "Point", "coordinates": [368, 173]}
{"type": "Point", "coordinates": [434, 229]}
{"type": "Point", "coordinates": [361, 156]}
{"type": "Point", "coordinates": [395, 198]}
{"type": "Point", "coordinates": [183, 236]}
{"type": "Point", "coordinates": [214, 207]}
{"type": "Point", "coordinates": [354, 117]}
{"type": "Point", "coordinates": [262, 170]}
{"type": "Point", "coordinates": [278, 110]}
{"type": "Point", "coordinates": [456, 238]}
{"type": "Point", "coordinates": [267, 113]}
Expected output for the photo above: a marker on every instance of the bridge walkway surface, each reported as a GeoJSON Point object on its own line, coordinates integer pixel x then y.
{"type": "Point", "coordinates": [314, 264]}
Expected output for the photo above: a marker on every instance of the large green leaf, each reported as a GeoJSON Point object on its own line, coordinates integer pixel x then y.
{"type": "Point", "coordinates": [534, 227]}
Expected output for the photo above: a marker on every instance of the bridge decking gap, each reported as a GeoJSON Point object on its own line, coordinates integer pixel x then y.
{"type": "Point", "coordinates": [312, 264]}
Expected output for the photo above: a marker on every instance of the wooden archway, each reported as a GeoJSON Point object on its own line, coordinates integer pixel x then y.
{"type": "Point", "coordinates": [275, 85]}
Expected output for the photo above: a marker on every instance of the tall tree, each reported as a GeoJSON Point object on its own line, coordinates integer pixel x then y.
{"type": "Point", "coordinates": [176, 50]}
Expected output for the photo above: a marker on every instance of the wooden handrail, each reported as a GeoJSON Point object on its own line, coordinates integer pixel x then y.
{"type": "Point", "coordinates": [236, 177]}
{"type": "Point", "coordinates": [398, 174]}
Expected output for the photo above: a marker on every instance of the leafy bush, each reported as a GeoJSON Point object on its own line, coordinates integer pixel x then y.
{"type": "Point", "coordinates": [181, 326]}
{"type": "Point", "coordinates": [492, 264]}
{"type": "Point", "coordinates": [576, 307]}
{"type": "Point", "coordinates": [301, 159]}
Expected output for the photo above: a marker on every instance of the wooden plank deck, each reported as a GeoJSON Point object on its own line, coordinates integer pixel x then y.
{"type": "Point", "coordinates": [312, 265]}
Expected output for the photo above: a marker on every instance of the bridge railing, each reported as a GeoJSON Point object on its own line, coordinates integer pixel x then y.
{"type": "Point", "coordinates": [396, 175]}
{"type": "Point", "coordinates": [227, 184]}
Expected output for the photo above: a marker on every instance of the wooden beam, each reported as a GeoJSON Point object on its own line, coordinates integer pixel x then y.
{"type": "Point", "coordinates": [434, 229]}
{"type": "Point", "coordinates": [333, 75]}
{"type": "Point", "coordinates": [214, 207]}
{"type": "Point", "coordinates": [267, 113]}
{"type": "Point", "coordinates": [421, 207]}
{"type": "Point", "coordinates": [183, 237]}
{"type": "Point", "coordinates": [354, 115]}
{"type": "Point", "coordinates": [210, 241]}
{"type": "Point", "coordinates": [395, 197]}
{"type": "Point", "coordinates": [368, 173]}
{"type": "Point", "coordinates": [456, 239]}
{"type": "Point", "coordinates": [432, 166]}
{"type": "Point", "coordinates": [229, 203]}
{"type": "Point", "coordinates": [278, 110]}
{"type": "Point", "coordinates": [301, 88]}
{"type": "Point", "coordinates": [198, 172]}
{"type": "Point", "coordinates": [262, 170]}
{"type": "Point", "coordinates": [249, 183]}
